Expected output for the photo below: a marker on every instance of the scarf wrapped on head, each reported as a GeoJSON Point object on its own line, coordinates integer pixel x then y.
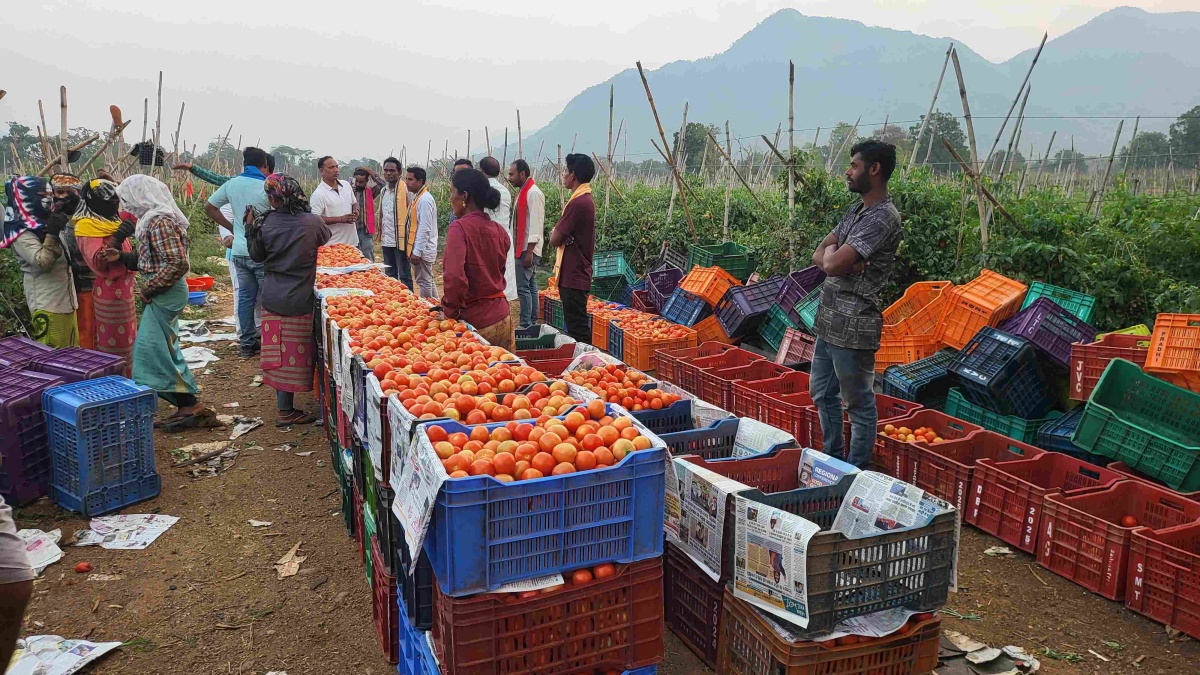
{"type": "Point", "coordinates": [288, 190]}
{"type": "Point", "coordinates": [28, 206]}
{"type": "Point", "coordinates": [149, 199]}
{"type": "Point", "coordinates": [99, 210]}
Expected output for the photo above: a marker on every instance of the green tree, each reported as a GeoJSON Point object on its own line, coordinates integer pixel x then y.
{"type": "Point", "coordinates": [941, 126]}
{"type": "Point", "coordinates": [1185, 137]}
{"type": "Point", "coordinates": [1063, 159]}
{"type": "Point", "coordinates": [890, 133]}
{"type": "Point", "coordinates": [1148, 150]}
{"type": "Point", "coordinates": [296, 161]}
{"type": "Point", "coordinates": [837, 137]}
{"type": "Point", "coordinates": [695, 141]}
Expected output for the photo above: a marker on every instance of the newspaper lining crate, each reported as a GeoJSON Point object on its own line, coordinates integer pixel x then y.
{"type": "Point", "coordinates": [887, 409]}
{"type": "Point", "coordinates": [1050, 328]}
{"type": "Point", "coordinates": [730, 256]}
{"type": "Point", "coordinates": [1089, 360]}
{"type": "Point", "coordinates": [895, 457]}
{"type": "Point", "coordinates": [25, 465]}
{"type": "Point", "coordinates": [1175, 349]}
{"type": "Point", "coordinates": [615, 622]}
{"type": "Point", "coordinates": [684, 308]}
{"type": "Point", "coordinates": [927, 381]}
{"type": "Point", "coordinates": [719, 439]}
{"type": "Point", "coordinates": [709, 330]}
{"type": "Point", "coordinates": [1000, 372]}
{"type": "Point", "coordinates": [101, 444]}
{"type": "Point", "coordinates": [708, 283]}
{"type": "Point", "coordinates": [753, 398]}
{"type": "Point", "coordinates": [742, 307]}
{"type": "Point", "coordinates": [984, 301]}
{"type": "Point", "coordinates": [693, 604]}
{"type": "Point", "coordinates": [639, 351]}
{"type": "Point", "coordinates": [1080, 305]}
{"type": "Point", "coordinates": [795, 286]}
{"type": "Point", "coordinates": [1019, 428]}
{"type": "Point", "coordinates": [675, 366]}
{"type": "Point", "coordinates": [750, 645]}
{"type": "Point", "coordinates": [946, 469]}
{"type": "Point", "coordinates": [17, 351]}
{"type": "Point", "coordinates": [1164, 576]}
{"type": "Point", "coordinates": [1082, 538]}
{"type": "Point", "coordinates": [1151, 425]}
{"type": "Point", "coordinates": [1007, 498]}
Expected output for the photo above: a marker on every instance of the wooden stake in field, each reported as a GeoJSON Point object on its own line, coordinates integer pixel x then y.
{"type": "Point", "coordinates": [929, 149]}
{"type": "Point", "coordinates": [1014, 138]}
{"type": "Point", "coordinates": [609, 152]}
{"type": "Point", "coordinates": [792, 148]}
{"type": "Point", "coordinates": [158, 129]}
{"type": "Point", "coordinates": [1045, 158]}
{"type": "Point", "coordinates": [520, 138]}
{"type": "Point", "coordinates": [43, 131]}
{"type": "Point", "coordinates": [979, 191]}
{"type": "Point", "coordinates": [925, 122]}
{"type": "Point", "coordinates": [1132, 146]}
{"type": "Point", "coordinates": [674, 171]}
{"type": "Point", "coordinates": [728, 184]}
{"type": "Point", "coordinates": [676, 152]}
{"type": "Point", "coordinates": [487, 138]}
{"type": "Point", "coordinates": [65, 162]}
{"type": "Point", "coordinates": [470, 155]}
{"type": "Point", "coordinates": [1012, 107]}
{"type": "Point", "coordinates": [1108, 167]}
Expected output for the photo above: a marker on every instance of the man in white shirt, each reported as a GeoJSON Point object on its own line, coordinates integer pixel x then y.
{"type": "Point", "coordinates": [490, 167]}
{"type": "Point", "coordinates": [392, 213]}
{"type": "Point", "coordinates": [527, 230]}
{"type": "Point", "coordinates": [333, 200]}
{"type": "Point", "coordinates": [423, 211]}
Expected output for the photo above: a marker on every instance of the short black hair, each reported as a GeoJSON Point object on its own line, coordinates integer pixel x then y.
{"type": "Point", "coordinates": [392, 160]}
{"type": "Point", "coordinates": [581, 165]}
{"type": "Point", "coordinates": [252, 156]}
{"type": "Point", "coordinates": [521, 166]}
{"type": "Point", "coordinates": [478, 189]}
{"type": "Point", "coordinates": [321, 162]}
{"type": "Point", "coordinates": [463, 161]}
{"type": "Point", "coordinates": [362, 172]}
{"type": "Point", "coordinates": [417, 172]}
{"type": "Point", "coordinates": [877, 152]}
{"type": "Point", "coordinates": [490, 166]}
{"type": "Point", "coordinates": [270, 162]}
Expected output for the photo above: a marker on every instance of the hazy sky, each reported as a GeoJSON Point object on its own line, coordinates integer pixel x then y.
{"type": "Point", "coordinates": [354, 79]}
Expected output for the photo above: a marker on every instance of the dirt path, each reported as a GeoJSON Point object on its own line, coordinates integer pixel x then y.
{"type": "Point", "coordinates": [204, 598]}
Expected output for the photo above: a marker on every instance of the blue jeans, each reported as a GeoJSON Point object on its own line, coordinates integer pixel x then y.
{"type": "Point", "coordinates": [366, 244]}
{"type": "Point", "coordinates": [845, 375]}
{"type": "Point", "coordinates": [250, 279]}
{"type": "Point", "coordinates": [527, 291]}
{"type": "Point", "coordinates": [397, 265]}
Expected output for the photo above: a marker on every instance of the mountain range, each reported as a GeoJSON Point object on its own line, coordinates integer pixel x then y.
{"type": "Point", "coordinates": [1124, 63]}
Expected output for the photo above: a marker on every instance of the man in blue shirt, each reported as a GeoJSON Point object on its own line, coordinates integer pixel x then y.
{"type": "Point", "coordinates": [242, 193]}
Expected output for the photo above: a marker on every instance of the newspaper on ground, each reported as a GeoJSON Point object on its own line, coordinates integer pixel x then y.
{"type": "Point", "coordinates": [128, 532]}
{"type": "Point", "coordinates": [770, 559]}
{"type": "Point", "coordinates": [818, 468]}
{"type": "Point", "coordinates": [55, 655]}
{"type": "Point", "coordinates": [197, 331]}
{"type": "Point", "coordinates": [41, 548]}
{"type": "Point", "coordinates": [537, 584]}
{"type": "Point", "coordinates": [198, 358]}
{"type": "Point", "coordinates": [696, 502]}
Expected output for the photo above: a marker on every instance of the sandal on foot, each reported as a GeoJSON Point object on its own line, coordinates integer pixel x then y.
{"type": "Point", "coordinates": [296, 416]}
{"type": "Point", "coordinates": [173, 418]}
{"type": "Point", "coordinates": [203, 418]}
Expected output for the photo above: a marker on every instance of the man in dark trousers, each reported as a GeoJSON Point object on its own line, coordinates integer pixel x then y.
{"type": "Point", "coordinates": [858, 258]}
{"type": "Point", "coordinates": [575, 238]}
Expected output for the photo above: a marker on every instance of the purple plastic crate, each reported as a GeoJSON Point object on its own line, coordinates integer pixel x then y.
{"type": "Point", "coordinates": [16, 351]}
{"type": "Point", "coordinates": [74, 364]}
{"type": "Point", "coordinates": [795, 286]}
{"type": "Point", "coordinates": [741, 308]}
{"type": "Point", "coordinates": [1050, 328]}
{"type": "Point", "coordinates": [24, 444]}
{"type": "Point", "coordinates": [661, 282]}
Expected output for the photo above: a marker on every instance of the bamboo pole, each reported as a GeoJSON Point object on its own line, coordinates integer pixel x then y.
{"type": "Point", "coordinates": [788, 166]}
{"type": "Point", "coordinates": [178, 130]}
{"type": "Point", "coordinates": [41, 135]}
{"type": "Point", "coordinates": [609, 152]}
{"type": "Point", "coordinates": [678, 179]}
{"type": "Point", "coordinates": [470, 155]}
{"type": "Point", "coordinates": [428, 153]}
{"type": "Point", "coordinates": [608, 177]}
{"type": "Point", "coordinates": [65, 161]}
{"type": "Point", "coordinates": [676, 152]}
{"type": "Point", "coordinates": [979, 190]}
{"type": "Point", "coordinates": [925, 122]}
{"type": "Point", "coordinates": [59, 159]}
{"type": "Point", "coordinates": [573, 139]}
{"type": "Point", "coordinates": [1012, 107]}
{"type": "Point", "coordinates": [792, 148]}
{"type": "Point", "coordinates": [829, 164]}
{"type": "Point", "coordinates": [728, 185]}
{"type": "Point", "coordinates": [929, 150]}
{"type": "Point", "coordinates": [1045, 158]}
{"type": "Point", "coordinates": [158, 129]}
{"type": "Point", "coordinates": [1108, 167]}
{"type": "Point", "coordinates": [487, 138]}
{"type": "Point", "coordinates": [1132, 145]}
{"type": "Point", "coordinates": [220, 147]}
{"type": "Point", "coordinates": [975, 178]}
{"type": "Point", "coordinates": [520, 138]}
{"type": "Point", "coordinates": [737, 173]}
{"type": "Point", "coordinates": [1014, 138]}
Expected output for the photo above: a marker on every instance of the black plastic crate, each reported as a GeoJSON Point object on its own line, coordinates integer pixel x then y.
{"type": "Point", "coordinates": [742, 307]}
{"type": "Point", "coordinates": [416, 586]}
{"type": "Point", "coordinates": [926, 381]}
{"type": "Point", "coordinates": [1000, 372]}
{"type": "Point", "coordinates": [387, 528]}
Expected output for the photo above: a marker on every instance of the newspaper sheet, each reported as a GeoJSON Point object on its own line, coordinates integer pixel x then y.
{"type": "Point", "coordinates": [770, 559]}
{"type": "Point", "coordinates": [41, 548]}
{"type": "Point", "coordinates": [879, 624]}
{"type": "Point", "coordinates": [421, 475]}
{"type": "Point", "coordinates": [818, 468]}
{"type": "Point", "coordinates": [128, 532]}
{"type": "Point", "coordinates": [54, 655]}
{"type": "Point", "coordinates": [536, 584]}
{"type": "Point", "coordinates": [695, 517]}
{"type": "Point", "coordinates": [755, 438]}
{"type": "Point", "coordinates": [374, 424]}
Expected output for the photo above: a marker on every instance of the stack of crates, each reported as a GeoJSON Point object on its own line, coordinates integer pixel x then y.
{"type": "Point", "coordinates": [730, 256]}
{"type": "Point", "coordinates": [781, 315]}
{"type": "Point", "coordinates": [984, 301]}
{"type": "Point", "coordinates": [24, 442]}
{"type": "Point", "coordinates": [910, 324]}
{"type": "Point", "coordinates": [611, 276]}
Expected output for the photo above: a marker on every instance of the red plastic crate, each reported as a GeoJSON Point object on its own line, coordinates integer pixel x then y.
{"type": "Point", "coordinates": [751, 398]}
{"type": "Point", "coordinates": [777, 473]}
{"type": "Point", "coordinates": [708, 386]}
{"type": "Point", "coordinates": [1082, 538]}
{"type": "Point", "coordinates": [887, 408]}
{"type": "Point", "coordinates": [1124, 469]}
{"type": "Point", "coordinates": [613, 623]}
{"type": "Point", "coordinates": [795, 347]}
{"type": "Point", "coordinates": [790, 413]}
{"type": "Point", "coordinates": [566, 351]}
{"type": "Point", "coordinates": [895, 457]}
{"type": "Point", "coordinates": [384, 609]}
{"type": "Point", "coordinates": [1088, 361]}
{"type": "Point", "coordinates": [1007, 498]}
{"type": "Point", "coordinates": [675, 366]}
{"type": "Point", "coordinates": [359, 529]}
{"type": "Point", "coordinates": [1175, 350]}
{"type": "Point", "coordinates": [552, 368]}
{"type": "Point", "coordinates": [984, 301]}
{"type": "Point", "coordinates": [946, 469]}
{"type": "Point", "coordinates": [716, 384]}
{"type": "Point", "coordinates": [1164, 576]}
{"type": "Point", "coordinates": [694, 604]}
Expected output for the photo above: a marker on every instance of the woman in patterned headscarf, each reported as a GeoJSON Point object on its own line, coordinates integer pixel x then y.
{"type": "Point", "coordinates": [98, 226]}
{"type": "Point", "coordinates": [33, 235]}
{"type": "Point", "coordinates": [285, 239]}
{"type": "Point", "coordinates": [66, 189]}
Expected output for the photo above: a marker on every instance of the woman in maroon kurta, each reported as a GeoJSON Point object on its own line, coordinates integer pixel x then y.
{"type": "Point", "coordinates": [473, 266]}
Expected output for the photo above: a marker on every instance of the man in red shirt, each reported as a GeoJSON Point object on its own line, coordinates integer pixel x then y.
{"type": "Point", "coordinates": [575, 238]}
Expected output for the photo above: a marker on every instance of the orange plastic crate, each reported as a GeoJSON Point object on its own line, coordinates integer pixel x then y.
{"type": "Point", "coordinates": [919, 311]}
{"type": "Point", "coordinates": [1175, 350]}
{"type": "Point", "coordinates": [986, 301]}
{"type": "Point", "coordinates": [897, 350]}
{"type": "Point", "coordinates": [639, 351]}
{"type": "Point", "coordinates": [709, 283]}
{"type": "Point", "coordinates": [709, 330]}
{"type": "Point", "coordinates": [600, 333]}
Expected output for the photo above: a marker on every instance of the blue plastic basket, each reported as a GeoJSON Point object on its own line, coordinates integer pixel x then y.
{"type": "Point", "coordinates": [685, 308]}
{"type": "Point", "coordinates": [197, 297]}
{"type": "Point", "coordinates": [485, 533]}
{"type": "Point", "coordinates": [648, 670]}
{"type": "Point", "coordinates": [415, 656]}
{"type": "Point", "coordinates": [616, 340]}
{"type": "Point", "coordinates": [101, 444]}
{"type": "Point", "coordinates": [674, 417]}
{"type": "Point", "coordinates": [1055, 436]}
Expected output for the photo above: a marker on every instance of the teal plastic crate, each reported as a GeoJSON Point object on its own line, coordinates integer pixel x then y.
{"type": "Point", "coordinates": [612, 265]}
{"type": "Point", "coordinates": [1081, 305]}
{"type": "Point", "coordinates": [806, 309]}
{"type": "Point", "coordinates": [773, 327]}
{"type": "Point", "coordinates": [1009, 425]}
{"type": "Point", "coordinates": [730, 256]}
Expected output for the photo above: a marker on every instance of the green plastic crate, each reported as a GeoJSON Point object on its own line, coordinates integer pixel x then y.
{"type": "Point", "coordinates": [610, 288]}
{"type": "Point", "coordinates": [1140, 329]}
{"type": "Point", "coordinates": [369, 532]}
{"type": "Point", "coordinates": [806, 308]}
{"type": "Point", "coordinates": [772, 328]}
{"type": "Point", "coordinates": [612, 264]}
{"type": "Point", "coordinates": [729, 256]}
{"type": "Point", "coordinates": [1081, 305]}
{"type": "Point", "coordinates": [1008, 425]}
{"type": "Point", "coordinates": [554, 315]}
{"type": "Point", "coordinates": [1147, 423]}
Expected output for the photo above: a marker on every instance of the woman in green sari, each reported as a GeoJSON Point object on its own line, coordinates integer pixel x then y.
{"type": "Point", "coordinates": [32, 231]}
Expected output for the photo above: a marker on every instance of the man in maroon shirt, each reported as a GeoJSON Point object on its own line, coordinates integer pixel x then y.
{"type": "Point", "coordinates": [575, 238]}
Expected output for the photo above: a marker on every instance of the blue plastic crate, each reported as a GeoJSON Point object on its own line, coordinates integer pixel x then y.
{"type": "Point", "coordinates": [1000, 372]}
{"type": "Point", "coordinates": [685, 308]}
{"type": "Point", "coordinates": [674, 417]}
{"type": "Point", "coordinates": [717, 441]}
{"type": "Point", "coordinates": [926, 381]}
{"type": "Point", "coordinates": [416, 658]}
{"type": "Point", "coordinates": [101, 444]}
{"type": "Point", "coordinates": [648, 670]}
{"type": "Point", "coordinates": [485, 533]}
{"type": "Point", "coordinates": [1055, 436]}
{"type": "Point", "coordinates": [616, 340]}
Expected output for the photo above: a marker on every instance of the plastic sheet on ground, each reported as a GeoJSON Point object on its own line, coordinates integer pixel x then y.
{"type": "Point", "coordinates": [198, 358]}
{"type": "Point", "coordinates": [197, 331]}
{"type": "Point", "coordinates": [55, 655]}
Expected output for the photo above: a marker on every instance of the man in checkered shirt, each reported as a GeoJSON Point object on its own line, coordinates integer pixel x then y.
{"type": "Point", "coordinates": [857, 258]}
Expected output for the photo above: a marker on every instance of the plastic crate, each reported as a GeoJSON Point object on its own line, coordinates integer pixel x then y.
{"type": "Point", "coordinates": [675, 365]}
{"type": "Point", "coordinates": [24, 441]}
{"type": "Point", "coordinates": [615, 344]}
{"type": "Point", "coordinates": [385, 609]}
{"type": "Point", "coordinates": [754, 398]}
{"type": "Point", "coordinates": [75, 363]}
{"type": "Point", "coordinates": [416, 658]}
{"type": "Point", "coordinates": [751, 645]}
{"type": "Point", "coordinates": [1149, 424]}
{"type": "Point", "coordinates": [1050, 328]}
{"type": "Point", "coordinates": [600, 332]}
{"type": "Point", "coordinates": [1055, 436]}
{"type": "Point", "coordinates": [775, 472]}
{"type": "Point", "coordinates": [485, 533]}
{"type": "Point", "coordinates": [539, 337]}
{"type": "Point", "coordinates": [730, 256]}
{"type": "Point", "coordinates": [805, 310]}
{"type": "Point", "coordinates": [684, 308]}
{"type": "Point", "coordinates": [674, 417]}
{"type": "Point", "coordinates": [919, 311]}
{"type": "Point", "coordinates": [945, 469]}
{"type": "Point", "coordinates": [716, 383]}
{"type": "Point", "coordinates": [1000, 372]}
{"type": "Point", "coordinates": [1139, 329]}
{"type": "Point", "coordinates": [1082, 538]}
{"type": "Point", "coordinates": [673, 257]}
{"type": "Point", "coordinates": [895, 457]}
{"type": "Point", "coordinates": [607, 264]}
{"type": "Point", "coordinates": [661, 282]}
{"type": "Point", "coordinates": [101, 444]}
{"type": "Point", "coordinates": [1080, 305]}
{"type": "Point", "coordinates": [1164, 576]}
{"type": "Point", "coordinates": [710, 330]}
{"type": "Point", "coordinates": [1126, 472]}
{"type": "Point", "coordinates": [708, 283]}
{"type": "Point", "coordinates": [1007, 498]}
{"type": "Point", "coordinates": [887, 408]}
{"type": "Point", "coordinates": [773, 327]}
{"type": "Point", "coordinates": [693, 604]}
{"type": "Point", "coordinates": [984, 301]}
{"type": "Point", "coordinates": [795, 286]}
{"type": "Point", "coordinates": [897, 350]}
{"type": "Point", "coordinates": [796, 348]}
{"type": "Point", "coordinates": [416, 589]}
{"type": "Point", "coordinates": [389, 531]}
{"type": "Point", "coordinates": [1088, 361]}
{"type": "Point", "coordinates": [1014, 427]}
{"type": "Point", "coordinates": [926, 381]}
{"type": "Point", "coordinates": [640, 300]}
{"type": "Point", "coordinates": [566, 351]}
{"type": "Point", "coordinates": [360, 528]}
{"type": "Point", "coordinates": [550, 367]}
{"type": "Point", "coordinates": [847, 577]}
{"type": "Point", "coordinates": [616, 622]}
{"type": "Point", "coordinates": [640, 351]}
{"type": "Point", "coordinates": [722, 437]}
{"type": "Point", "coordinates": [742, 307]}
{"type": "Point", "coordinates": [1175, 349]}
{"type": "Point", "coordinates": [16, 351]}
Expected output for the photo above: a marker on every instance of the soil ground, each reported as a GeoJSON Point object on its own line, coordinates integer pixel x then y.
{"type": "Point", "coordinates": [204, 598]}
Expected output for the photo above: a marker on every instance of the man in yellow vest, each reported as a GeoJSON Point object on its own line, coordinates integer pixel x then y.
{"type": "Point", "coordinates": [421, 232]}
{"type": "Point", "coordinates": [393, 216]}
